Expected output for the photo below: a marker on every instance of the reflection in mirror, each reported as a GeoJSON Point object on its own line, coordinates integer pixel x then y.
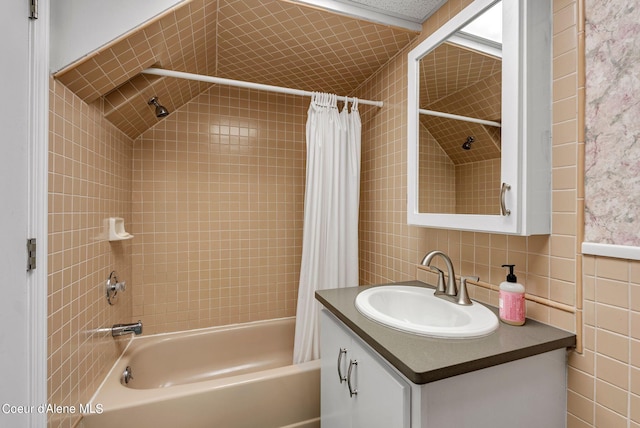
{"type": "Point", "coordinates": [459, 160]}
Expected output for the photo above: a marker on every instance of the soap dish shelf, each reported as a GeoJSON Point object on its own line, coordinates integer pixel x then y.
{"type": "Point", "coordinates": [114, 229]}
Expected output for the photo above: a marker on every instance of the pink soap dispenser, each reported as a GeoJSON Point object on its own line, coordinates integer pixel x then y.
{"type": "Point", "coordinates": [511, 299]}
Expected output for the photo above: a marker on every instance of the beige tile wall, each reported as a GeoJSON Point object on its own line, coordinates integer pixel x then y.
{"type": "Point", "coordinates": [475, 187]}
{"type": "Point", "coordinates": [437, 176]}
{"type": "Point", "coordinates": [444, 187]}
{"type": "Point", "coordinates": [604, 380]}
{"type": "Point", "coordinates": [89, 180]}
{"type": "Point", "coordinates": [218, 199]}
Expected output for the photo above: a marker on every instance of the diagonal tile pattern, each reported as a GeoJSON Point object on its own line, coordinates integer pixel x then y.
{"type": "Point", "coordinates": [289, 45]}
{"type": "Point", "coordinates": [266, 41]}
{"type": "Point", "coordinates": [468, 83]}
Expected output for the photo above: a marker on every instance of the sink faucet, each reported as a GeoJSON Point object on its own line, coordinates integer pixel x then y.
{"type": "Point", "coordinates": [451, 292]}
{"type": "Point", "coordinates": [122, 329]}
{"type": "Point", "coordinates": [452, 289]}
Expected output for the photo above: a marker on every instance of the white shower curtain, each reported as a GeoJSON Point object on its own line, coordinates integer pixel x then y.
{"type": "Point", "coordinates": [331, 205]}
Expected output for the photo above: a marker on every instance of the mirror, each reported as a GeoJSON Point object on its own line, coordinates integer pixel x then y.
{"type": "Point", "coordinates": [479, 122]}
{"type": "Point", "coordinates": [459, 121]}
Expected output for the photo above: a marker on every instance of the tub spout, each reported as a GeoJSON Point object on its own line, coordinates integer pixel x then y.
{"type": "Point", "coordinates": [122, 329]}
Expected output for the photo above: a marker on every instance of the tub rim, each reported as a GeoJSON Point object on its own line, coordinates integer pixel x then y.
{"type": "Point", "coordinates": [112, 395]}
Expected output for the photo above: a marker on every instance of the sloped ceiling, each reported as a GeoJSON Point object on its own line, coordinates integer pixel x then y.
{"type": "Point", "coordinates": [460, 81]}
{"type": "Point", "coordinates": [273, 42]}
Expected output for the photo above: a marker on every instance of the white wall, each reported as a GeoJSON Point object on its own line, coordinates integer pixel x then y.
{"type": "Point", "coordinates": [14, 369]}
{"type": "Point", "coordinates": [79, 27]}
{"type": "Point", "coordinates": [23, 187]}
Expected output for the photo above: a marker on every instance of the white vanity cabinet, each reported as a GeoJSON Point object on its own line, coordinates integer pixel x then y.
{"type": "Point", "coordinates": [358, 388]}
{"type": "Point", "coordinates": [526, 393]}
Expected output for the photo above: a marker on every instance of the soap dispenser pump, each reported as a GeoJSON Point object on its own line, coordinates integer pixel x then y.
{"type": "Point", "coordinates": [511, 299]}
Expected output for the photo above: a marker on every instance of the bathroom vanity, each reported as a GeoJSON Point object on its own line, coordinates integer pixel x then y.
{"type": "Point", "coordinates": [376, 376]}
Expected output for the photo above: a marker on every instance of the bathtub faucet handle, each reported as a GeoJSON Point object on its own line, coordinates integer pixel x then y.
{"type": "Point", "coordinates": [113, 286]}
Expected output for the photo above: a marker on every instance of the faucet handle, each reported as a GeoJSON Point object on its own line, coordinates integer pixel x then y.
{"type": "Point", "coordinates": [440, 289]}
{"type": "Point", "coordinates": [463, 296]}
{"type": "Point", "coordinates": [113, 286]}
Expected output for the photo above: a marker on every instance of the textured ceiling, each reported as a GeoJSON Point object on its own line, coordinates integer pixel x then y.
{"type": "Point", "coordinates": [411, 10]}
{"type": "Point", "coordinates": [264, 41]}
{"type": "Point", "coordinates": [460, 81]}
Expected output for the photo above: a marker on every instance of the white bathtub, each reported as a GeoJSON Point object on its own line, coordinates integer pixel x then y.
{"type": "Point", "coordinates": [228, 377]}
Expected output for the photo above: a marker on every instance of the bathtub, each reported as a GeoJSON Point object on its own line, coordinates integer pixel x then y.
{"type": "Point", "coordinates": [232, 376]}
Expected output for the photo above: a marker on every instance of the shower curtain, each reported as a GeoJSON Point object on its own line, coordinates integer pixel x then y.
{"type": "Point", "coordinates": [331, 205]}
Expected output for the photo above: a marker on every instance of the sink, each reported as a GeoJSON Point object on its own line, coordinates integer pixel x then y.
{"type": "Point", "coordinates": [416, 310]}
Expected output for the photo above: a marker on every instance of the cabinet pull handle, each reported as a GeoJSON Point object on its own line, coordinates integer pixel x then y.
{"type": "Point", "coordinates": [503, 205]}
{"type": "Point", "coordinates": [340, 376]}
{"type": "Point", "coordinates": [352, 391]}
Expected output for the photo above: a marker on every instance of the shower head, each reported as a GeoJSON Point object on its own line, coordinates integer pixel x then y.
{"type": "Point", "coordinates": [467, 144]}
{"type": "Point", "coordinates": [161, 111]}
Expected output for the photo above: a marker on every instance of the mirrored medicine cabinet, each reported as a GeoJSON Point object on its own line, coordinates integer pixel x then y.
{"type": "Point", "coordinates": [479, 121]}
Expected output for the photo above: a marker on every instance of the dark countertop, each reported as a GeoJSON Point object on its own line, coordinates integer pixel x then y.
{"type": "Point", "coordinates": [423, 359]}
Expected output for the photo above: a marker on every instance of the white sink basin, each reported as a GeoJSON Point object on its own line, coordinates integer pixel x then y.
{"type": "Point", "coordinates": [416, 310]}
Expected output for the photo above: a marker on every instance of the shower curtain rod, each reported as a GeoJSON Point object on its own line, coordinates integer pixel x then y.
{"type": "Point", "coordinates": [458, 117]}
{"type": "Point", "coordinates": [242, 84]}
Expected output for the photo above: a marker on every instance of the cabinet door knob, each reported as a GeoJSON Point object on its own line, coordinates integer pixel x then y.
{"type": "Point", "coordinates": [352, 391]}
{"type": "Point", "coordinates": [340, 376]}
